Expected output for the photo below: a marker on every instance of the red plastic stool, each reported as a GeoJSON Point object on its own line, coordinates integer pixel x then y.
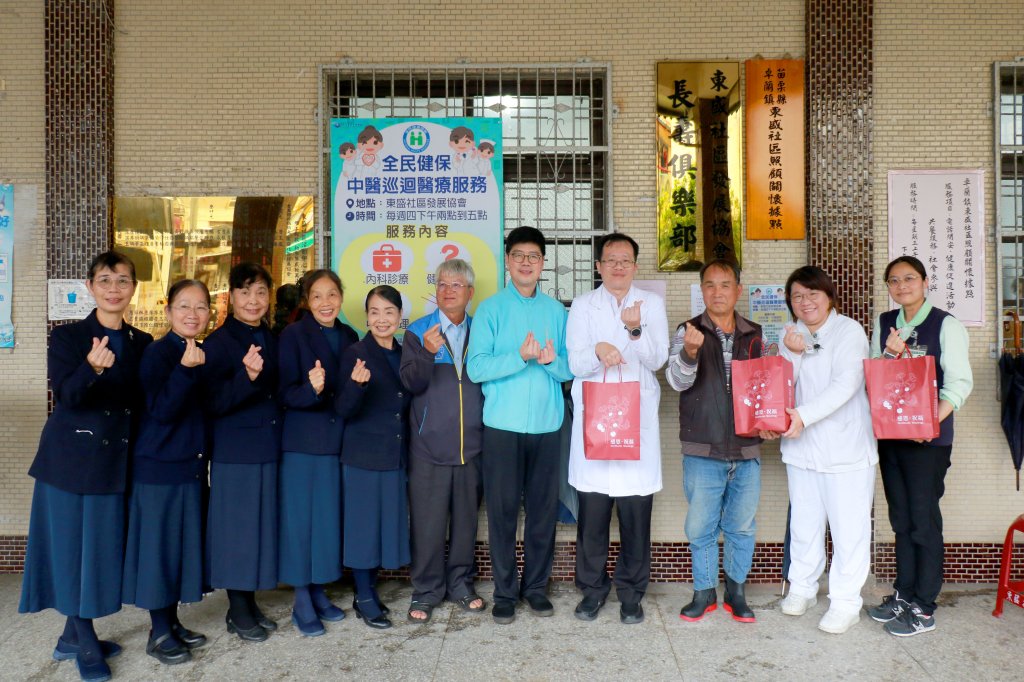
{"type": "Point", "coordinates": [1012, 592]}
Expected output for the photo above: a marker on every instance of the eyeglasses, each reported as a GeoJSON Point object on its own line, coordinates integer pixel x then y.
{"type": "Point", "coordinates": [519, 257]}
{"type": "Point", "coordinates": [197, 309]}
{"type": "Point", "coordinates": [618, 264]}
{"type": "Point", "coordinates": [110, 282]}
{"type": "Point", "coordinates": [906, 279]}
{"type": "Point", "coordinates": [812, 296]}
{"type": "Point", "coordinates": [454, 286]}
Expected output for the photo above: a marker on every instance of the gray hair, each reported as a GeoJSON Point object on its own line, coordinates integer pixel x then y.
{"type": "Point", "coordinates": [456, 267]}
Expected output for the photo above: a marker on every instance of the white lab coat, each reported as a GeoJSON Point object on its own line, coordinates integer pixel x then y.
{"type": "Point", "coordinates": [595, 317]}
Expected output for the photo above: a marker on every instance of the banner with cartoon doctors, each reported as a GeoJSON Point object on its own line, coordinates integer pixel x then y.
{"type": "Point", "coordinates": [407, 195]}
{"type": "Point", "coordinates": [6, 273]}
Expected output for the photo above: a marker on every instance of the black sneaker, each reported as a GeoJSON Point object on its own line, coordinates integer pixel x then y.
{"type": "Point", "coordinates": [890, 608]}
{"type": "Point", "coordinates": [911, 622]}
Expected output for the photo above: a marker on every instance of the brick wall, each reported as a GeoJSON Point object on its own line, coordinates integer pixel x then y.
{"type": "Point", "coordinates": [23, 369]}
{"type": "Point", "coordinates": [209, 101]}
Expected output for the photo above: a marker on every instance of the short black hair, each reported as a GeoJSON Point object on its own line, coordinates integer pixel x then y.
{"type": "Point", "coordinates": [616, 237]}
{"type": "Point", "coordinates": [524, 234]}
{"type": "Point", "coordinates": [183, 284]}
{"type": "Point", "coordinates": [110, 260]}
{"type": "Point", "coordinates": [722, 264]}
{"type": "Point", "coordinates": [908, 260]}
{"type": "Point", "coordinates": [313, 276]}
{"type": "Point", "coordinates": [248, 273]}
{"type": "Point", "coordinates": [814, 278]}
{"type": "Point", "coordinates": [385, 291]}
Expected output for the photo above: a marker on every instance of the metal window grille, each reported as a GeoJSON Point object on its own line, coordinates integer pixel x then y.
{"type": "Point", "coordinates": [556, 142]}
{"type": "Point", "coordinates": [1009, 175]}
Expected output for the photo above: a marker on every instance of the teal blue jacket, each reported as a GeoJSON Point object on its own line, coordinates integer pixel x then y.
{"type": "Point", "coordinates": [519, 396]}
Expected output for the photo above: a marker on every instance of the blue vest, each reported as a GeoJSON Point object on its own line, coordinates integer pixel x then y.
{"type": "Point", "coordinates": [927, 335]}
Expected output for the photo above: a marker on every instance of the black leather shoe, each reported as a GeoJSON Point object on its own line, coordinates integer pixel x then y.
{"type": "Point", "coordinates": [735, 602]}
{"type": "Point", "coordinates": [172, 655]}
{"type": "Point", "coordinates": [503, 612]}
{"type": "Point", "coordinates": [540, 605]}
{"type": "Point", "coordinates": [379, 622]}
{"type": "Point", "coordinates": [703, 602]}
{"type": "Point", "coordinates": [253, 634]}
{"type": "Point", "coordinates": [631, 614]}
{"type": "Point", "coordinates": [380, 605]}
{"type": "Point", "coordinates": [588, 608]}
{"type": "Point", "coordinates": [263, 621]}
{"type": "Point", "coordinates": [65, 652]}
{"type": "Point", "coordinates": [193, 640]}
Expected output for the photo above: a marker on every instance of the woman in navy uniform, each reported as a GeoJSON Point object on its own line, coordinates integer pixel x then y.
{"type": "Point", "coordinates": [76, 532]}
{"type": "Point", "coordinates": [164, 556]}
{"type": "Point", "coordinates": [374, 452]}
{"type": "Point", "coordinates": [241, 396]}
{"type": "Point", "coordinates": [309, 540]}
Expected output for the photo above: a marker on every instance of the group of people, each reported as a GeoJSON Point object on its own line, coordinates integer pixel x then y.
{"type": "Point", "coordinates": [171, 468]}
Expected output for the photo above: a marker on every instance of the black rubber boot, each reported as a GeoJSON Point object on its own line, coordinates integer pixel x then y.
{"type": "Point", "coordinates": [704, 601]}
{"type": "Point", "coordinates": [736, 603]}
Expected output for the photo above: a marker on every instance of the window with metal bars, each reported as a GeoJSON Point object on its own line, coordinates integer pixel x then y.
{"type": "Point", "coordinates": [557, 148]}
{"type": "Point", "coordinates": [1009, 175]}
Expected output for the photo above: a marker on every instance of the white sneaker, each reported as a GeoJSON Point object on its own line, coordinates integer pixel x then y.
{"type": "Point", "coordinates": [837, 622]}
{"type": "Point", "coordinates": [795, 605]}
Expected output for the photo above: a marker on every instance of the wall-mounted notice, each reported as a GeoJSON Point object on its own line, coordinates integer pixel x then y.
{"type": "Point", "coordinates": [938, 217]}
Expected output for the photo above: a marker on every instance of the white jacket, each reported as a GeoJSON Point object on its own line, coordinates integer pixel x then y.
{"type": "Point", "coordinates": [595, 317]}
{"type": "Point", "coordinates": [832, 401]}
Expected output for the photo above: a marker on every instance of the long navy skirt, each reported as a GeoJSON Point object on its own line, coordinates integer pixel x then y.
{"type": "Point", "coordinates": [309, 522]}
{"type": "Point", "coordinates": [75, 551]}
{"type": "Point", "coordinates": [163, 558]}
{"type": "Point", "coordinates": [376, 518]}
{"type": "Point", "coordinates": [241, 538]}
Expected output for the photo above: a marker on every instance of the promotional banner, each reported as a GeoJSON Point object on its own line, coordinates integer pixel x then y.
{"type": "Point", "coordinates": [775, 149]}
{"type": "Point", "coordinates": [938, 217]}
{"type": "Point", "coordinates": [407, 195]}
{"type": "Point", "coordinates": [6, 272]}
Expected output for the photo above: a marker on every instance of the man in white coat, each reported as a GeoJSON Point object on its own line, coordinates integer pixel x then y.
{"type": "Point", "coordinates": [622, 327]}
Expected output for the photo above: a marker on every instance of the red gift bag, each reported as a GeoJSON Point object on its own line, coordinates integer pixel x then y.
{"type": "Point", "coordinates": [904, 397]}
{"type": "Point", "coordinates": [762, 389]}
{"type": "Point", "coordinates": [611, 419]}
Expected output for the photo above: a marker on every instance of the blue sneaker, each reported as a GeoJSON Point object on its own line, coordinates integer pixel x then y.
{"type": "Point", "coordinates": [329, 613]}
{"type": "Point", "coordinates": [65, 652]}
{"type": "Point", "coordinates": [313, 628]}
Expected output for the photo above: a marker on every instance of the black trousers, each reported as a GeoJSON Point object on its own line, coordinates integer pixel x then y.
{"type": "Point", "coordinates": [521, 469]}
{"type": "Point", "coordinates": [444, 503]}
{"type": "Point", "coordinates": [913, 475]}
{"type": "Point", "coordinates": [633, 567]}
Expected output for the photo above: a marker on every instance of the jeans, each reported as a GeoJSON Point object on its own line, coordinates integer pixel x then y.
{"type": "Point", "coordinates": [722, 498]}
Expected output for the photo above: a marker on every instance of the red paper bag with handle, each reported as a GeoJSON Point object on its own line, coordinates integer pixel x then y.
{"type": "Point", "coordinates": [611, 419]}
{"type": "Point", "coordinates": [762, 389]}
{"type": "Point", "coordinates": [904, 397]}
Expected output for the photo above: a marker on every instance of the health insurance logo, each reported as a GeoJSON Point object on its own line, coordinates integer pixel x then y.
{"type": "Point", "coordinates": [416, 138]}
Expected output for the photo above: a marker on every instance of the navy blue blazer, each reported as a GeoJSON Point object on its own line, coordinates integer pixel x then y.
{"type": "Point", "coordinates": [311, 425]}
{"type": "Point", "coordinates": [84, 446]}
{"type": "Point", "coordinates": [246, 424]}
{"type": "Point", "coordinates": [171, 447]}
{"type": "Point", "coordinates": [376, 415]}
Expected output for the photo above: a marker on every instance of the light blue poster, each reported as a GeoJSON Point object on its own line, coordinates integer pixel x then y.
{"type": "Point", "coordinates": [407, 195]}
{"type": "Point", "coordinates": [6, 273]}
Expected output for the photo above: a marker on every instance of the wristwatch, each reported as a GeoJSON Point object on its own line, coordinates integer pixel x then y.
{"type": "Point", "coordinates": [633, 332]}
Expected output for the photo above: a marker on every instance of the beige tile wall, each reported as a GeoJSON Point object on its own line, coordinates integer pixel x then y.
{"type": "Point", "coordinates": [215, 100]}
{"type": "Point", "coordinates": [23, 369]}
